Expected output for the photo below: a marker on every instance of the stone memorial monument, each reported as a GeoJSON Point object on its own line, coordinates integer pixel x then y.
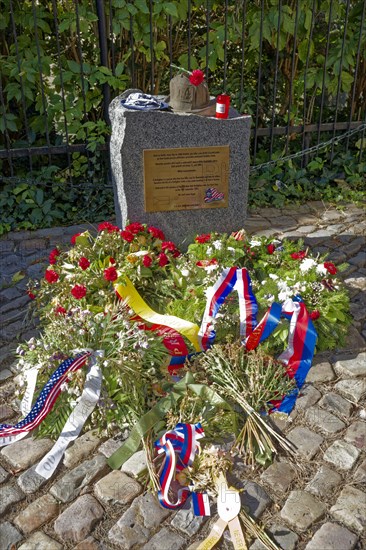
{"type": "Point", "coordinates": [185, 173]}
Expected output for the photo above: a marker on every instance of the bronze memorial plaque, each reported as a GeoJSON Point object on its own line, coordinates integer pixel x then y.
{"type": "Point", "coordinates": [186, 178]}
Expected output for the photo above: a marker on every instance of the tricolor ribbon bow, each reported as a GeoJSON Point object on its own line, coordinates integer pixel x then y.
{"type": "Point", "coordinates": [180, 447]}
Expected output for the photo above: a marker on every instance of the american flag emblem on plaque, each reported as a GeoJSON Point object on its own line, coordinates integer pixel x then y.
{"type": "Point", "coordinates": [213, 195]}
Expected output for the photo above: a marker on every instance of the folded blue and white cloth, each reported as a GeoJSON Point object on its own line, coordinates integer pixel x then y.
{"type": "Point", "coordinates": [143, 102]}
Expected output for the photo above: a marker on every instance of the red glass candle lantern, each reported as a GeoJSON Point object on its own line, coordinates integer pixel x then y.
{"type": "Point", "coordinates": [222, 106]}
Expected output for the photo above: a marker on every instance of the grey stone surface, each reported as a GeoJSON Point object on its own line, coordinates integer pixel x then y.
{"type": "Point", "coordinates": [135, 131]}
{"type": "Point", "coordinates": [136, 464]}
{"type": "Point", "coordinates": [356, 434]}
{"type": "Point", "coordinates": [279, 476]}
{"type": "Point", "coordinates": [308, 396]}
{"type": "Point", "coordinates": [37, 513]}
{"type": "Point", "coordinates": [82, 448]}
{"type": "Point", "coordinates": [30, 482]}
{"type": "Point", "coordinates": [117, 488]}
{"type": "Point", "coordinates": [301, 510]}
{"type": "Point", "coordinates": [324, 481]}
{"type": "Point", "coordinates": [185, 520]}
{"type": "Point", "coordinates": [5, 374]}
{"type": "Point", "coordinates": [111, 445]}
{"type": "Point", "coordinates": [285, 538]}
{"type": "Point", "coordinates": [167, 538]}
{"type": "Point", "coordinates": [358, 282]}
{"type": "Point", "coordinates": [343, 455]}
{"type": "Point", "coordinates": [26, 452]}
{"type": "Point", "coordinates": [9, 535]}
{"type": "Point", "coordinates": [89, 544]}
{"type": "Point", "coordinates": [307, 442]}
{"type": "Point", "coordinates": [78, 520]}
{"type": "Point", "coordinates": [350, 509]}
{"type": "Point", "coordinates": [322, 372]}
{"type": "Point", "coordinates": [9, 495]}
{"type": "Point", "coordinates": [332, 536]}
{"type": "Point", "coordinates": [4, 475]}
{"type": "Point", "coordinates": [255, 498]}
{"type": "Point", "coordinates": [352, 389]}
{"type": "Point", "coordinates": [6, 412]}
{"type": "Point", "coordinates": [336, 404]}
{"type": "Point", "coordinates": [360, 473]}
{"type": "Point", "coordinates": [324, 421]}
{"type": "Point", "coordinates": [351, 367]}
{"type": "Point", "coordinates": [40, 541]}
{"type": "Point", "coordinates": [69, 486]}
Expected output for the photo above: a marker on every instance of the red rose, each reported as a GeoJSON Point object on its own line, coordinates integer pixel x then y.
{"type": "Point", "coordinates": [197, 77]}
{"type": "Point", "coordinates": [156, 233]}
{"type": "Point", "coordinates": [330, 267]}
{"type": "Point", "coordinates": [127, 236]}
{"type": "Point", "coordinates": [78, 291]}
{"type": "Point", "coordinates": [298, 255]}
{"type": "Point", "coordinates": [315, 314]}
{"type": "Point", "coordinates": [31, 295]}
{"type": "Point", "coordinates": [168, 245]}
{"type": "Point", "coordinates": [73, 238]}
{"type": "Point", "coordinates": [59, 310]}
{"type": "Point", "coordinates": [84, 263]}
{"type": "Point", "coordinates": [147, 261]}
{"type": "Point", "coordinates": [53, 255]}
{"type": "Point", "coordinates": [203, 238]}
{"type": "Point", "coordinates": [206, 263]}
{"type": "Point", "coordinates": [107, 226]}
{"type": "Point", "coordinates": [271, 248]}
{"type": "Point", "coordinates": [112, 261]}
{"type": "Point", "coordinates": [51, 276]}
{"type": "Point", "coordinates": [176, 254]}
{"type": "Point", "coordinates": [163, 259]}
{"type": "Point", "coordinates": [110, 274]}
{"type": "Point", "coordinates": [134, 227]}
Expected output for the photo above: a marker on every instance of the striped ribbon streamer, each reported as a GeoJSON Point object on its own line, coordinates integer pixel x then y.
{"type": "Point", "coordinates": [180, 447]}
{"type": "Point", "coordinates": [44, 403]}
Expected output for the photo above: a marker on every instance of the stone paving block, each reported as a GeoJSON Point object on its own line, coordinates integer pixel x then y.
{"type": "Point", "coordinates": [9, 495]}
{"type": "Point", "coordinates": [350, 509]}
{"type": "Point", "coordinates": [135, 525]}
{"type": "Point", "coordinates": [352, 389]}
{"type": "Point", "coordinates": [351, 367]}
{"type": "Point", "coordinates": [322, 372]}
{"type": "Point", "coordinates": [82, 448]}
{"type": "Point", "coordinates": [37, 513]}
{"type": "Point", "coordinates": [356, 434]}
{"type": "Point", "coordinates": [301, 510]}
{"type": "Point", "coordinates": [71, 484]}
{"type": "Point", "coordinates": [165, 538]}
{"type": "Point", "coordinates": [136, 464]}
{"type": "Point", "coordinates": [9, 535]}
{"type": "Point", "coordinates": [279, 476]}
{"type": "Point", "coordinates": [285, 538]}
{"type": "Point", "coordinates": [324, 421]}
{"type": "Point", "coordinates": [360, 474]}
{"type": "Point", "coordinates": [40, 541]}
{"type": "Point", "coordinates": [5, 374]}
{"type": "Point", "coordinates": [359, 260]}
{"type": "Point", "coordinates": [78, 520]}
{"type": "Point", "coordinates": [343, 455]}
{"type": "Point", "coordinates": [26, 452]}
{"type": "Point", "coordinates": [117, 488]}
{"type": "Point", "coordinates": [308, 396]}
{"type": "Point", "coordinates": [255, 498]}
{"type": "Point", "coordinates": [332, 536]}
{"type": "Point", "coordinates": [324, 481]}
{"type": "Point", "coordinates": [306, 441]}
{"type": "Point", "coordinates": [30, 482]}
{"type": "Point", "coordinates": [6, 412]}
{"type": "Point", "coordinates": [336, 404]}
{"type": "Point", "coordinates": [357, 281]}
{"type": "Point", "coordinates": [186, 521]}
{"type": "Point", "coordinates": [88, 544]}
{"type": "Point", "coordinates": [4, 475]}
{"type": "Point", "coordinates": [111, 445]}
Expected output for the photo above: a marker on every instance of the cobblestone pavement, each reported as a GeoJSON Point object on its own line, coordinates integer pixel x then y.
{"type": "Point", "coordinates": [316, 502]}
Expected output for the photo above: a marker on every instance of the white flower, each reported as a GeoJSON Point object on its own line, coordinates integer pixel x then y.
{"type": "Point", "coordinates": [211, 267]}
{"type": "Point", "coordinates": [307, 264]}
{"type": "Point", "coordinates": [209, 251]}
{"type": "Point", "coordinates": [217, 245]}
{"type": "Point", "coordinates": [273, 276]}
{"type": "Point", "coordinates": [184, 271]}
{"type": "Point", "coordinates": [231, 249]}
{"type": "Point", "coordinates": [255, 243]}
{"type": "Point", "coordinates": [270, 298]}
{"type": "Point", "coordinates": [321, 269]}
{"type": "Point", "coordinates": [284, 295]}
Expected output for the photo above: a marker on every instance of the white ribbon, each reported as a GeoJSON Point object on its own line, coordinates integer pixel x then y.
{"type": "Point", "coordinates": [76, 420]}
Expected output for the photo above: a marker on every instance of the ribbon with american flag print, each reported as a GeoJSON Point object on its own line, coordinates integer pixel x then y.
{"type": "Point", "coordinates": [180, 447]}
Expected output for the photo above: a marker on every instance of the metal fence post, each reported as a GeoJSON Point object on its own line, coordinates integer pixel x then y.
{"type": "Point", "coordinates": [103, 46]}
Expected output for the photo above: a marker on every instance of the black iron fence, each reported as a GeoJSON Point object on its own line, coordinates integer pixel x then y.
{"type": "Point", "coordinates": [297, 66]}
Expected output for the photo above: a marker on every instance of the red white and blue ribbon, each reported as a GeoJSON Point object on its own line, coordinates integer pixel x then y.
{"type": "Point", "coordinates": [180, 447]}
{"type": "Point", "coordinates": [45, 401]}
